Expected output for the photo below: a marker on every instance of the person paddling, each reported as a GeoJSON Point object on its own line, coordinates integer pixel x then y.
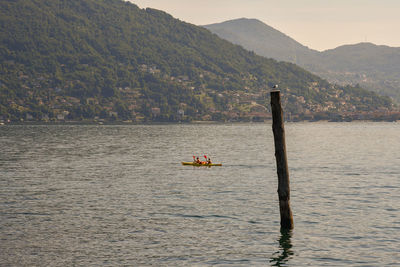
{"type": "Point", "coordinates": [205, 162]}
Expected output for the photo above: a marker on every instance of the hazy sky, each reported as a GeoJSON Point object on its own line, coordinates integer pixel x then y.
{"type": "Point", "coordinates": [318, 24]}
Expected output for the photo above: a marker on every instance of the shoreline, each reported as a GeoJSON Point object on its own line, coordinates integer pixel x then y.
{"type": "Point", "coordinates": [183, 123]}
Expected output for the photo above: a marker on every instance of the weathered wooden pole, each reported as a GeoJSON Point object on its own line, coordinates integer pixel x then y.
{"type": "Point", "coordinates": [281, 161]}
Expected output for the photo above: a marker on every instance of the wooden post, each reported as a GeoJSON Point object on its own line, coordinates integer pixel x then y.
{"type": "Point", "coordinates": [281, 161]}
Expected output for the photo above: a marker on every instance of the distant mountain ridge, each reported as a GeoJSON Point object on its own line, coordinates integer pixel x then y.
{"type": "Point", "coordinates": [374, 67]}
{"type": "Point", "coordinates": [264, 40]}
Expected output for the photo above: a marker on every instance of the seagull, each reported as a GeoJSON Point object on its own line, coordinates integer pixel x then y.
{"type": "Point", "coordinates": [275, 86]}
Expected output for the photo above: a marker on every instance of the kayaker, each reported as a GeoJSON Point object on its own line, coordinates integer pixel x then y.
{"type": "Point", "coordinates": [198, 160]}
{"type": "Point", "coordinates": [209, 160]}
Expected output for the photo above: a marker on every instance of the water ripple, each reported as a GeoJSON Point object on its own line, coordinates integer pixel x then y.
{"type": "Point", "coordinates": [118, 196]}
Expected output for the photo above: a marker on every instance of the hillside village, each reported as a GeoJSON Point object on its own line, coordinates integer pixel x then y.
{"type": "Point", "coordinates": [245, 106]}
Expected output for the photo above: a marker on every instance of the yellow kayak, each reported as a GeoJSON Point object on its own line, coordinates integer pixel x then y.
{"type": "Point", "coordinates": [202, 164]}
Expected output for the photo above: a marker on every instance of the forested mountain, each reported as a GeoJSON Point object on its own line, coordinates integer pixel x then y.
{"type": "Point", "coordinates": [109, 59]}
{"type": "Point", "coordinates": [376, 68]}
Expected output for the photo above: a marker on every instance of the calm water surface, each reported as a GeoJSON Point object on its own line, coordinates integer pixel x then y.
{"type": "Point", "coordinates": [118, 196]}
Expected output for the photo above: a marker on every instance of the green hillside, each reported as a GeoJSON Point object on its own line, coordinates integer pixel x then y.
{"type": "Point", "coordinates": [108, 59]}
{"type": "Point", "coordinates": [375, 67]}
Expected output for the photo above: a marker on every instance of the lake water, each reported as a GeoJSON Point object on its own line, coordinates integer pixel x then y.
{"type": "Point", "coordinates": [117, 195]}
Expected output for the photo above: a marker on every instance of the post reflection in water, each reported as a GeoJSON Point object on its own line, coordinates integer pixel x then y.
{"type": "Point", "coordinates": [285, 249]}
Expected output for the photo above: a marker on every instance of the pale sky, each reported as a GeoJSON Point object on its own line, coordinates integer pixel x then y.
{"type": "Point", "coordinates": [318, 24]}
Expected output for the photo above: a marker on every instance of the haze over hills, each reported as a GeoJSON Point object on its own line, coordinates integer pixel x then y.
{"type": "Point", "coordinates": [110, 60]}
{"type": "Point", "coordinates": [264, 40]}
{"type": "Point", "coordinates": [374, 67]}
